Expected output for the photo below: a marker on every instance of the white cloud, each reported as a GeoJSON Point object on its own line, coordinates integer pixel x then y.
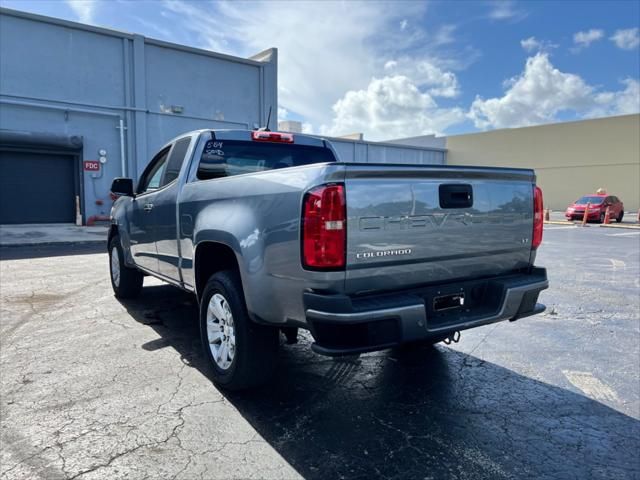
{"type": "Point", "coordinates": [586, 38]}
{"type": "Point", "coordinates": [424, 73]}
{"type": "Point", "coordinates": [84, 9]}
{"type": "Point", "coordinates": [628, 101]}
{"type": "Point", "coordinates": [627, 39]}
{"type": "Point", "coordinates": [283, 113]}
{"type": "Point", "coordinates": [444, 35]}
{"type": "Point", "coordinates": [532, 44]}
{"type": "Point", "coordinates": [542, 91]}
{"type": "Point", "coordinates": [151, 27]}
{"type": "Point", "coordinates": [390, 107]}
{"type": "Point", "coordinates": [506, 10]}
{"type": "Point", "coordinates": [403, 24]}
{"type": "Point", "coordinates": [621, 102]}
{"type": "Point", "coordinates": [307, 128]}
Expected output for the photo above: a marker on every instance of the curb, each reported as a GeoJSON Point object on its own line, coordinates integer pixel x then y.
{"type": "Point", "coordinates": [628, 227]}
{"type": "Point", "coordinates": [52, 244]}
{"type": "Point", "coordinates": [633, 226]}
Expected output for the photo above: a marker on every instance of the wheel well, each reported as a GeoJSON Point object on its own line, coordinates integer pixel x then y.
{"type": "Point", "coordinates": [212, 257]}
{"type": "Point", "coordinates": [113, 231]}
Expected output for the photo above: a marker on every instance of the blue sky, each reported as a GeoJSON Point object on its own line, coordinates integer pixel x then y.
{"type": "Point", "coordinates": [394, 69]}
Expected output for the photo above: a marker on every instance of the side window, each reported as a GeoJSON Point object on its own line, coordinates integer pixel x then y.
{"type": "Point", "coordinates": [153, 173]}
{"type": "Point", "coordinates": [154, 181]}
{"type": "Point", "coordinates": [176, 159]}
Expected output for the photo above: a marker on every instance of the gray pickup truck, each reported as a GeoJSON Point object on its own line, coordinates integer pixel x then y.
{"type": "Point", "coordinates": [272, 233]}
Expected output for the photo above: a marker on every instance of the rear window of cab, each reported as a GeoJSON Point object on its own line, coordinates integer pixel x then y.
{"type": "Point", "coordinates": [226, 158]}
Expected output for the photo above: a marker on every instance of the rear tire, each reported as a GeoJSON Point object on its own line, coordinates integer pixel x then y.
{"type": "Point", "coordinates": [620, 215]}
{"type": "Point", "coordinates": [125, 281]}
{"type": "Point", "coordinates": [241, 353]}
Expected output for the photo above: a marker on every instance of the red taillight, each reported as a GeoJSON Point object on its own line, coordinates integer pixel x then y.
{"type": "Point", "coordinates": [538, 217]}
{"type": "Point", "coordinates": [276, 137]}
{"type": "Point", "coordinates": [324, 228]}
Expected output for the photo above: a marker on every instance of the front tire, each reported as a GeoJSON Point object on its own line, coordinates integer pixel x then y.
{"type": "Point", "coordinates": [620, 215]}
{"type": "Point", "coordinates": [242, 354]}
{"type": "Point", "coordinates": [125, 281]}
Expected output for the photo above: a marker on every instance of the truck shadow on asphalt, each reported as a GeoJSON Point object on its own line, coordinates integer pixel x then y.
{"type": "Point", "coordinates": [422, 413]}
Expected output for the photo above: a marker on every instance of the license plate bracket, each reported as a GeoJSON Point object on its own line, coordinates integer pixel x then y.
{"type": "Point", "coordinates": [448, 302]}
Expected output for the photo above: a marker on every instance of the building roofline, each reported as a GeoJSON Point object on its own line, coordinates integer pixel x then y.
{"type": "Point", "coordinates": [554, 124]}
{"type": "Point", "coordinates": [382, 144]}
{"type": "Point", "coordinates": [125, 35]}
{"type": "Point", "coordinates": [200, 51]}
{"type": "Point", "coordinates": [413, 137]}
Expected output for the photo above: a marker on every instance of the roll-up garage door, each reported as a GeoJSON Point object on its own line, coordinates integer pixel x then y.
{"type": "Point", "coordinates": [36, 188]}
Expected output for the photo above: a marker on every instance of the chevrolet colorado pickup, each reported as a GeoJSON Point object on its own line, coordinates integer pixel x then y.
{"type": "Point", "coordinates": [272, 233]}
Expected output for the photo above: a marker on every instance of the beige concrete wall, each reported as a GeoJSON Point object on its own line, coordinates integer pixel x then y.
{"type": "Point", "coordinates": [570, 159]}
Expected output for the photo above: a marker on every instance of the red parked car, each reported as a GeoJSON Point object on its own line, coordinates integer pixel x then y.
{"type": "Point", "coordinates": [597, 209]}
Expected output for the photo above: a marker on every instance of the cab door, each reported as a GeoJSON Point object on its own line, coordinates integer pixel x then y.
{"type": "Point", "coordinates": [142, 224]}
{"type": "Point", "coordinates": [166, 213]}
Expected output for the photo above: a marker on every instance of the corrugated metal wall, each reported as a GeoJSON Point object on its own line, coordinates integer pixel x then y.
{"type": "Point", "coordinates": [374, 152]}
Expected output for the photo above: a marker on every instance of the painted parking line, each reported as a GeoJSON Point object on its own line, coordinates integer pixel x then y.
{"type": "Point", "coordinates": [559, 228]}
{"type": "Point", "coordinates": [590, 385]}
{"type": "Point", "coordinates": [622, 234]}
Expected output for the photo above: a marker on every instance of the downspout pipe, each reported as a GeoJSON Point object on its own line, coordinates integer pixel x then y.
{"type": "Point", "coordinates": [123, 158]}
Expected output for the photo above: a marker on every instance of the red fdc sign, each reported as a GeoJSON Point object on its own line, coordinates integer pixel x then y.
{"type": "Point", "coordinates": [91, 165]}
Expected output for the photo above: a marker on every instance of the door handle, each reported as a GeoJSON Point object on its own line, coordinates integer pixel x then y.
{"type": "Point", "coordinates": [148, 207]}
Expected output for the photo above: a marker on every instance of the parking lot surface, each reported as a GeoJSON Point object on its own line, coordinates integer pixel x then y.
{"type": "Point", "coordinates": [92, 387]}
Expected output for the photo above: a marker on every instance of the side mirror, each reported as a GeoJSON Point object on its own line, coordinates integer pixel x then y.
{"type": "Point", "coordinates": [122, 187]}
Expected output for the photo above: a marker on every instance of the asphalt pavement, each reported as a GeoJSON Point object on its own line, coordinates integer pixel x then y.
{"type": "Point", "coordinates": [51, 233]}
{"type": "Point", "coordinates": [91, 387]}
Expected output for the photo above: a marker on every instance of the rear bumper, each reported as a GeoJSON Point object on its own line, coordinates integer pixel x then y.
{"type": "Point", "coordinates": [593, 215]}
{"type": "Point", "coordinates": [344, 325]}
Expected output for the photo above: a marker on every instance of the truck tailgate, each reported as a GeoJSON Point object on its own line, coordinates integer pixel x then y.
{"type": "Point", "coordinates": [416, 225]}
